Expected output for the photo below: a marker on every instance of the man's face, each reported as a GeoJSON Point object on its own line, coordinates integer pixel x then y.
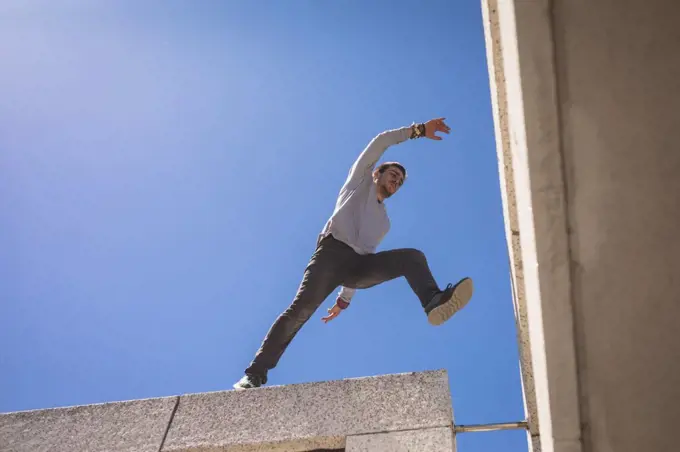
{"type": "Point", "coordinates": [390, 181]}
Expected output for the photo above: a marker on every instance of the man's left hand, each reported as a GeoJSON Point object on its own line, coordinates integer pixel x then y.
{"type": "Point", "coordinates": [436, 125]}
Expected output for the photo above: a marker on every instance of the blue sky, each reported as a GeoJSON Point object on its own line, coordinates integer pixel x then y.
{"type": "Point", "coordinates": [167, 166]}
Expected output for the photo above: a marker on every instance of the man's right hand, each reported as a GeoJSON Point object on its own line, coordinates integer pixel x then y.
{"type": "Point", "coordinates": [332, 313]}
{"type": "Point", "coordinates": [436, 125]}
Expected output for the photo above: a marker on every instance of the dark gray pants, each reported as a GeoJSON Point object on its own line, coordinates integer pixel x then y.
{"type": "Point", "coordinates": [335, 264]}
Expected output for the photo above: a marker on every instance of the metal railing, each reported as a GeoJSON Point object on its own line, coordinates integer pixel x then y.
{"type": "Point", "coordinates": [490, 427]}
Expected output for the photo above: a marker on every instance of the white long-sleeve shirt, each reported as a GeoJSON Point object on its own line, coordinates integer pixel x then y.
{"type": "Point", "coordinates": [359, 219]}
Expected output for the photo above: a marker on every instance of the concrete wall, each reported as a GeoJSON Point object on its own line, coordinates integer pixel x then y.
{"type": "Point", "coordinates": [594, 119]}
{"type": "Point", "coordinates": [499, 103]}
{"type": "Point", "coordinates": [402, 412]}
{"type": "Point", "coordinates": [618, 66]}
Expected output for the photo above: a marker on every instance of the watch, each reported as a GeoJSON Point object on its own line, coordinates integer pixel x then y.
{"type": "Point", "coordinates": [417, 130]}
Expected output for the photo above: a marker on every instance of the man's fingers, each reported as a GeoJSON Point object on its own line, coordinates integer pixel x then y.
{"type": "Point", "coordinates": [439, 126]}
{"type": "Point", "coordinates": [332, 313]}
{"type": "Point", "coordinates": [330, 316]}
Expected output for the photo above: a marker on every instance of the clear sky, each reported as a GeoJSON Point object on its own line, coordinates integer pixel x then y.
{"type": "Point", "coordinates": [167, 166]}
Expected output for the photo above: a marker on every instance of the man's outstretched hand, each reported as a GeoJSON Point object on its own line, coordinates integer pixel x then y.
{"type": "Point", "coordinates": [436, 125]}
{"type": "Point", "coordinates": [332, 313]}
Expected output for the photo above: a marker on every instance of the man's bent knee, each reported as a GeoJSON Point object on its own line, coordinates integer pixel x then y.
{"type": "Point", "coordinates": [414, 254]}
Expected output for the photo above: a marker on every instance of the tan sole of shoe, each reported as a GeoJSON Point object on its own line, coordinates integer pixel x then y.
{"type": "Point", "coordinates": [459, 298]}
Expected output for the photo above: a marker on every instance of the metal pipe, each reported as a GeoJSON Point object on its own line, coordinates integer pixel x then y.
{"type": "Point", "coordinates": [490, 427]}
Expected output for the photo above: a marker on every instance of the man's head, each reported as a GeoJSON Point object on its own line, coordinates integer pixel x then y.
{"type": "Point", "coordinates": [388, 178]}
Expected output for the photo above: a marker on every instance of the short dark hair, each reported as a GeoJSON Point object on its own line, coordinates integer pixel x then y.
{"type": "Point", "coordinates": [384, 166]}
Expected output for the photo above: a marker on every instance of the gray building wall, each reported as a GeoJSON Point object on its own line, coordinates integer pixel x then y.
{"type": "Point", "coordinates": [593, 124]}
{"type": "Point", "coordinates": [618, 73]}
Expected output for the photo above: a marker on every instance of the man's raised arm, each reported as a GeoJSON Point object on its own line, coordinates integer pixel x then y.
{"type": "Point", "coordinates": [377, 147]}
{"type": "Point", "coordinates": [379, 144]}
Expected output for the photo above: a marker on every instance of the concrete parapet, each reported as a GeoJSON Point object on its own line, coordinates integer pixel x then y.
{"type": "Point", "coordinates": [410, 411]}
{"type": "Point", "coordinates": [132, 426]}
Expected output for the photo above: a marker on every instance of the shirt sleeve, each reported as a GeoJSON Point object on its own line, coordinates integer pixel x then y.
{"type": "Point", "coordinates": [346, 293]}
{"type": "Point", "coordinates": [366, 161]}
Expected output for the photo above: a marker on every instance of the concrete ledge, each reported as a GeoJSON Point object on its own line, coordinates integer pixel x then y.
{"type": "Point", "coordinates": [135, 426]}
{"type": "Point", "coordinates": [301, 417]}
{"type": "Point", "coordinates": [438, 439]}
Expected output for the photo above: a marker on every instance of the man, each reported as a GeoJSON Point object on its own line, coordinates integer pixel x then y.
{"type": "Point", "coordinates": [346, 253]}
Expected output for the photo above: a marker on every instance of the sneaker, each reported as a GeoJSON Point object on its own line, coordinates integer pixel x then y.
{"type": "Point", "coordinates": [250, 381]}
{"type": "Point", "coordinates": [451, 300]}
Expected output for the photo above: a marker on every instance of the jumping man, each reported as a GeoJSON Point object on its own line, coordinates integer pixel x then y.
{"type": "Point", "coordinates": [346, 255]}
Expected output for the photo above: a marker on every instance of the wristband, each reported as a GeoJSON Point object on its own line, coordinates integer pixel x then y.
{"type": "Point", "coordinates": [417, 130]}
{"type": "Point", "coordinates": [342, 304]}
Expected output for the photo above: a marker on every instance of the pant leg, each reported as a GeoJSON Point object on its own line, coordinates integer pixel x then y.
{"type": "Point", "coordinates": [373, 269]}
{"type": "Point", "coordinates": [324, 273]}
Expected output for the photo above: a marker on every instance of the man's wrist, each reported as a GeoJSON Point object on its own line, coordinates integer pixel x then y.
{"type": "Point", "coordinates": [417, 130]}
{"type": "Point", "coordinates": [342, 304]}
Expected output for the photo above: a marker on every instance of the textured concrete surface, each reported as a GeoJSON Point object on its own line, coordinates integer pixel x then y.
{"type": "Point", "coordinates": [592, 110]}
{"type": "Point", "coordinates": [311, 415]}
{"type": "Point", "coordinates": [439, 439]}
{"type": "Point", "coordinates": [301, 417]}
{"type": "Point", "coordinates": [494, 54]}
{"type": "Point", "coordinates": [532, 115]}
{"type": "Point", "coordinates": [135, 426]}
